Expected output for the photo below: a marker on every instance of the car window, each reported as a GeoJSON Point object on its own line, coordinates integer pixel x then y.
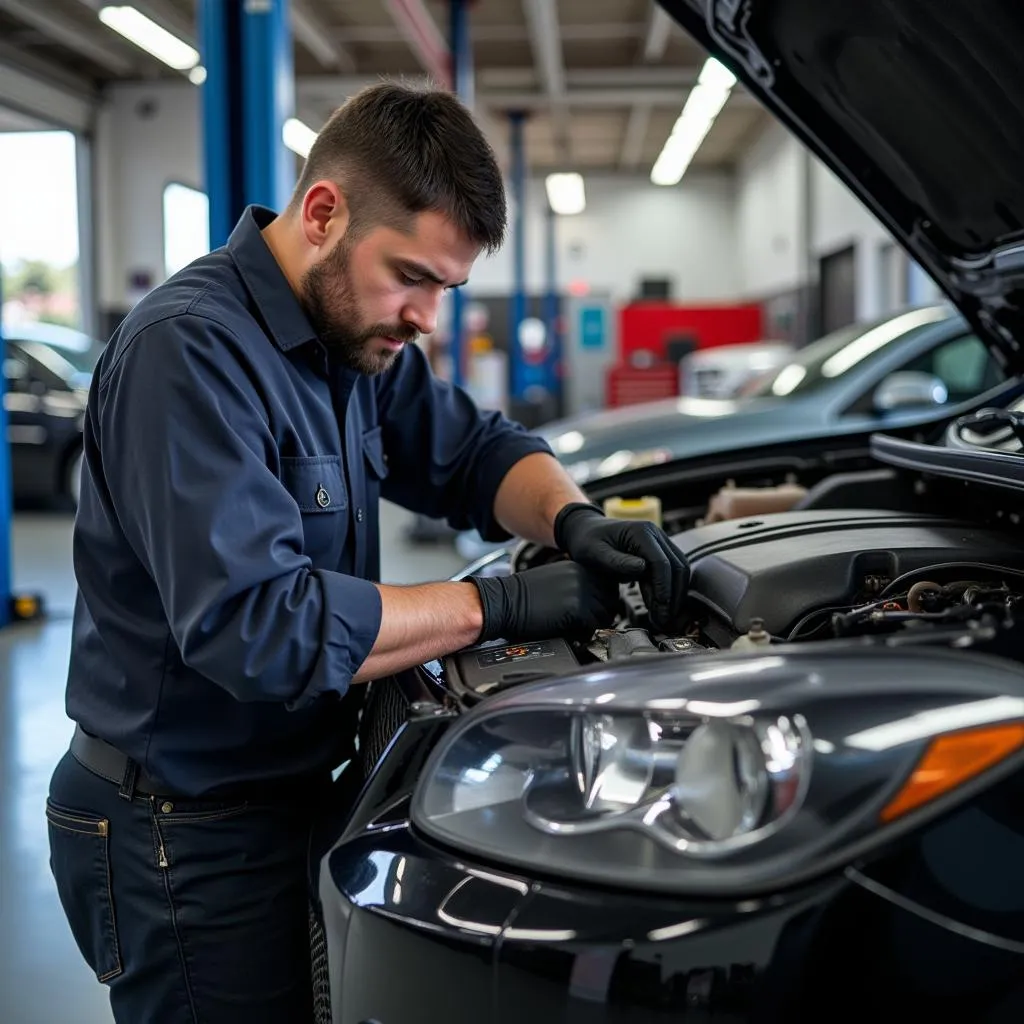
{"type": "Point", "coordinates": [17, 371]}
{"type": "Point", "coordinates": [815, 365]}
{"type": "Point", "coordinates": [964, 365]}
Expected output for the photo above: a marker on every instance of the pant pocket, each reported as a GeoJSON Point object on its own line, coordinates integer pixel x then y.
{"type": "Point", "coordinates": [80, 862]}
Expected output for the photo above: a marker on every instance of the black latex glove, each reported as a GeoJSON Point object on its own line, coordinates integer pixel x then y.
{"type": "Point", "coordinates": [628, 550]}
{"type": "Point", "coordinates": [551, 600]}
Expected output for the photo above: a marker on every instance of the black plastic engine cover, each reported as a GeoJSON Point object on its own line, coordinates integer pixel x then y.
{"type": "Point", "coordinates": [779, 567]}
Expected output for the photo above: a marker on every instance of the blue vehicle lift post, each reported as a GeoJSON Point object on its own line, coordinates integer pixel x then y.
{"type": "Point", "coordinates": [463, 87]}
{"type": "Point", "coordinates": [552, 320]}
{"type": "Point", "coordinates": [517, 368]}
{"type": "Point", "coordinates": [248, 95]}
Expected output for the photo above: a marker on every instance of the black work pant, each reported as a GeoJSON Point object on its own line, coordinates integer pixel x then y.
{"type": "Point", "coordinates": [191, 911]}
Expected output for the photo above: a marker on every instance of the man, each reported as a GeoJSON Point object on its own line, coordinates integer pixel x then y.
{"type": "Point", "coordinates": [243, 422]}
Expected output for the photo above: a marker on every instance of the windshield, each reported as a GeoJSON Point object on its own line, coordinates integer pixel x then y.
{"type": "Point", "coordinates": [837, 353]}
{"type": "Point", "coordinates": [65, 363]}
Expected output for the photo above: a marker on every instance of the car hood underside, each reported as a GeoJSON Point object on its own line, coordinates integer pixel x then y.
{"type": "Point", "coordinates": [918, 107]}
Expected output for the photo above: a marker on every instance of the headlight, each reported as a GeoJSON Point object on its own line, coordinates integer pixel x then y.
{"type": "Point", "coordinates": [730, 774]}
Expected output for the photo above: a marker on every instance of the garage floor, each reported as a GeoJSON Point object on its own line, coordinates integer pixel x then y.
{"type": "Point", "coordinates": [43, 979]}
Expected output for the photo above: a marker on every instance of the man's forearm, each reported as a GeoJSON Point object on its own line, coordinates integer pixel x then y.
{"type": "Point", "coordinates": [421, 623]}
{"type": "Point", "coordinates": [532, 493]}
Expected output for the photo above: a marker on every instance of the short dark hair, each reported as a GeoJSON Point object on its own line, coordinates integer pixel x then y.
{"type": "Point", "coordinates": [399, 150]}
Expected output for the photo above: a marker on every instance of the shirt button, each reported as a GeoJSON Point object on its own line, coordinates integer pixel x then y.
{"type": "Point", "coordinates": [167, 807]}
{"type": "Point", "coordinates": [359, 515]}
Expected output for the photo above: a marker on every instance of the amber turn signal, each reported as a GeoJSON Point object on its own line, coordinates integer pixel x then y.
{"type": "Point", "coordinates": [950, 761]}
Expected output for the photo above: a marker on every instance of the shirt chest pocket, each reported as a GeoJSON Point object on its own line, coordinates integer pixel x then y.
{"type": "Point", "coordinates": [317, 484]}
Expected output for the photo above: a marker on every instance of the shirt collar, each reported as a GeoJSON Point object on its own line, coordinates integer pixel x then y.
{"type": "Point", "coordinates": [280, 308]}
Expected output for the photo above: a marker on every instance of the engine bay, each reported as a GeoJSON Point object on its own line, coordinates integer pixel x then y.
{"type": "Point", "coordinates": [839, 576]}
{"type": "Point", "coordinates": [918, 546]}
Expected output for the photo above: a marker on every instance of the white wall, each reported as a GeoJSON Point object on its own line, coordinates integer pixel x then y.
{"type": "Point", "coordinates": [839, 220]}
{"type": "Point", "coordinates": [770, 214]}
{"type": "Point", "coordinates": [630, 228]}
{"type": "Point", "coordinates": [147, 137]}
{"type": "Point", "coordinates": [771, 209]}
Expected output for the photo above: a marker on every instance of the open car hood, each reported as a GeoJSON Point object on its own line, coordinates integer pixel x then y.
{"type": "Point", "coordinates": [918, 106]}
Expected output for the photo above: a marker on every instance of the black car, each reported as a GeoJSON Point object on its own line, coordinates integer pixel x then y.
{"type": "Point", "coordinates": [47, 370]}
{"type": "Point", "coordinates": [805, 803]}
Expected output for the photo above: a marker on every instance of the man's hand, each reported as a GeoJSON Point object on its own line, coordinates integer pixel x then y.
{"type": "Point", "coordinates": [628, 550]}
{"type": "Point", "coordinates": [545, 602]}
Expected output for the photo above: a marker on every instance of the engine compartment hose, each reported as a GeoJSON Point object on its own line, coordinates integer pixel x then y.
{"type": "Point", "coordinates": [915, 592]}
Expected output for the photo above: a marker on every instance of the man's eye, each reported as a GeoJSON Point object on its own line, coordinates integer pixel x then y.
{"type": "Point", "coordinates": [409, 281]}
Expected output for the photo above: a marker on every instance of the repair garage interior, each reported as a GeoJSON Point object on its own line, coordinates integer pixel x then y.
{"type": "Point", "coordinates": [597, 86]}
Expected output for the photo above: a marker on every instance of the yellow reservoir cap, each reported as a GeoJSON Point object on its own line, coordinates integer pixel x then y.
{"type": "Point", "coordinates": [647, 508]}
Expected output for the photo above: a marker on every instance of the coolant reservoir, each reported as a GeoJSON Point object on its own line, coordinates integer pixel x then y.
{"type": "Point", "coordinates": [757, 636]}
{"type": "Point", "coordinates": [647, 508]}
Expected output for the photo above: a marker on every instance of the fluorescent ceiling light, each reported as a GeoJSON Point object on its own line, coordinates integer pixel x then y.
{"type": "Point", "coordinates": [298, 137]}
{"type": "Point", "coordinates": [197, 75]}
{"type": "Point", "coordinates": [565, 193]}
{"type": "Point", "coordinates": [150, 36]}
{"type": "Point", "coordinates": [702, 106]}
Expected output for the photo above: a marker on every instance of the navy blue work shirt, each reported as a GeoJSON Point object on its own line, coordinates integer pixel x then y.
{"type": "Point", "coordinates": [228, 524]}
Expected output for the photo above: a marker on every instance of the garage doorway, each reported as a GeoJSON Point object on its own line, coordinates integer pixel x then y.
{"type": "Point", "coordinates": [39, 224]}
{"type": "Point", "coordinates": [837, 277]}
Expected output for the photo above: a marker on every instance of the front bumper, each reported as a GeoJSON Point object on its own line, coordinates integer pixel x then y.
{"type": "Point", "coordinates": [416, 936]}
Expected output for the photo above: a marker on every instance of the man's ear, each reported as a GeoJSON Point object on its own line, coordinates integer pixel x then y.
{"type": "Point", "coordinates": [325, 214]}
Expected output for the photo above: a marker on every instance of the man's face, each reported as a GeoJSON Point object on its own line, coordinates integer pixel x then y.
{"type": "Point", "coordinates": [367, 299]}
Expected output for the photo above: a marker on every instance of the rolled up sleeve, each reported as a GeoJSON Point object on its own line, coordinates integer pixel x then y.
{"type": "Point", "coordinates": [446, 457]}
{"type": "Point", "coordinates": [191, 466]}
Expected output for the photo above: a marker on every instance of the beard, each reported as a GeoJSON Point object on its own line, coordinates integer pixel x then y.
{"type": "Point", "coordinates": [330, 304]}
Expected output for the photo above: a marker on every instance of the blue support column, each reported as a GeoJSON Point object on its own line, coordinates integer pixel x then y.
{"type": "Point", "coordinates": [553, 359]}
{"type": "Point", "coordinates": [248, 94]}
{"type": "Point", "coordinates": [463, 85]}
{"type": "Point", "coordinates": [517, 367]}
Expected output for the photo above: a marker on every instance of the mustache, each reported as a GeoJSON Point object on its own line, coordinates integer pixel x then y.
{"type": "Point", "coordinates": [400, 332]}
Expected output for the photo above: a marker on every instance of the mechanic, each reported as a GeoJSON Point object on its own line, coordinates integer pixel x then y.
{"type": "Point", "coordinates": [242, 424]}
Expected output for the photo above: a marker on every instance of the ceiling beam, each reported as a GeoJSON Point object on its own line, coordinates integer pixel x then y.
{"type": "Point", "coordinates": [424, 37]}
{"type": "Point", "coordinates": [546, 44]}
{"type": "Point", "coordinates": [524, 99]}
{"type": "Point", "coordinates": [659, 27]}
{"type": "Point", "coordinates": [681, 78]}
{"type": "Point", "coordinates": [335, 89]}
{"type": "Point", "coordinates": [317, 37]}
{"type": "Point", "coordinates": [597, 32]}
{"type": "Point", "coordinates": [59, 31]}
{"type": "Point", "coordinates": [634, 136]}
{"type": "Point", "coordinates": [53, 74]}
{"type": "Point", "coordinates": [307, 27]}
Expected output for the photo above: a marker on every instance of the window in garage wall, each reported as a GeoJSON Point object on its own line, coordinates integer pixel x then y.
{"type": "Point", "coordinates": [186, 226]}
{"type": "Point", "coordinates": [39, 227]}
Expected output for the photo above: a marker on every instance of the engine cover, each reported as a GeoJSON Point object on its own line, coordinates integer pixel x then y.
{"type": "Point", "coordinates": [779, 567]}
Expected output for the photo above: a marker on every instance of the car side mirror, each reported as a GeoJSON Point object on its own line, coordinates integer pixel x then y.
{"type": "Point", "coordinates": [909, 389]}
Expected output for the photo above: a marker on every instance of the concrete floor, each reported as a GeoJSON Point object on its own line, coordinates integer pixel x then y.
{"type": "Point", "coordinates": [43, 979]}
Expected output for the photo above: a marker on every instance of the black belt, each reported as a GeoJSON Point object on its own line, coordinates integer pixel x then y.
{"type": "Point", "coordinates": [108, 762]}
